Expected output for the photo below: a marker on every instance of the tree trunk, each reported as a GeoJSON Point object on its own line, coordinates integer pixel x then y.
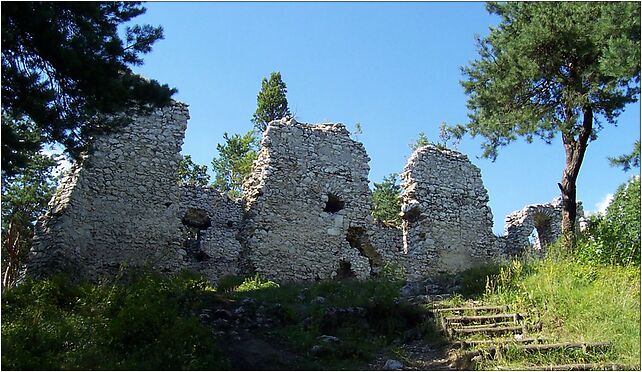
{"type": "Point", "coordinates": [12, 246]}
{"type": "Point", "coordinates": [575, 149]}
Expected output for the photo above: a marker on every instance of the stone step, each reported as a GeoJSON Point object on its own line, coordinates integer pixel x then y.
{"type": "Point", "coordinates": [490, 351]}
{"type": "Point", "coordinates": [583, 367]}
{"type": "Point", "coordinates": [481, 326]}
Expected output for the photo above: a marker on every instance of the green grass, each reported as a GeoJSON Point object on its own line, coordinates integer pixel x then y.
{"type": "Point", "coordinates": [143, 324]}
{"type": "Point", "coordinates": [384, 323]}
{"type": "Point", "coordinates": [143, 321]}
{"type": "Point", "coordinates": [576, 303]}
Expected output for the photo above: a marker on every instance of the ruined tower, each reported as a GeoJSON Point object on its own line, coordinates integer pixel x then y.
{"type": "Point", "coordinates": [308, 204]}
{"type": "Point", "coordinates": [447, 224]}
{"type": "Point", "coordinates": [119, 204]}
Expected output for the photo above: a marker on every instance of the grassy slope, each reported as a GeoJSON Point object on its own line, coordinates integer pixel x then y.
{"type": "Point", "coordinates": [152, 323]}
{"type": "Point", "coordinates": [576, 302]}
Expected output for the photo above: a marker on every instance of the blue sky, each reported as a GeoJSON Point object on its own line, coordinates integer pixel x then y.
{"type": "Point", "coordinates": [393, 67]}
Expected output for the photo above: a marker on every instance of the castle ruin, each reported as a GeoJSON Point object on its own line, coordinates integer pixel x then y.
{"type": "Point", "coordinates": [305, 212]}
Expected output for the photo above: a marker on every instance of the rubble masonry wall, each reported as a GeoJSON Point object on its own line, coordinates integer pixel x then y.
{"type": "Point", "coordinates": [119, 204]}
{"type": "Point", "coordinates": [308, 204]}
{"type": "Point", "coordinates": [447, 224]}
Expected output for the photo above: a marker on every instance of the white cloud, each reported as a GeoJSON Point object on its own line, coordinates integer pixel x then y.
{"type": "Point", "coordinates": [600, 207]}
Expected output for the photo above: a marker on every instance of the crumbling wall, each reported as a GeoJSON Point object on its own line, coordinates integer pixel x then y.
{"type": "Point", "coordinates": [211, 221]}
{"type": "Point", "coordinates": [306, 213]}
{"type": "Point", "coordinates": [447, 225]}
{"type": "Point", "coordinates": [536, 226]}
{"type": "Point", "coordinates": [119, 205]}
{"type": "Point", "coordinates": [308, 204]}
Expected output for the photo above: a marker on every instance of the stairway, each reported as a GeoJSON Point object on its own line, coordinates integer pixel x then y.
{"type": "Point", "coordinates": [487, 332]}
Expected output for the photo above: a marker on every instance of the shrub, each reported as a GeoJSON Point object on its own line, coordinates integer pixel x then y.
{"type": "Point", "coordinates": [229, 283]}
{"type": "Point", "coordinates": [146, 323]}
{"type": "Point", "coordinates": [256, 283]}
{"type": "Point", "coordinates": [615, 237]}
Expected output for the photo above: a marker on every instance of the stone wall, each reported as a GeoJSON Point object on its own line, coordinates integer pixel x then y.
{"type": "Point", "coordinates": [308, 204]}
{"type": "Point", "coordinates": [536, 225]}
{"type": "Point", "coordinates": [447, 224]}
{"type": "Point", "coordinates": [306, 213]}
{"type": "Point", "coordinates": [210, 225]}
{"type": "Point", "coordinates": [119, 205]}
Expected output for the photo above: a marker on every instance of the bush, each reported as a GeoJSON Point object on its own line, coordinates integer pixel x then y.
{"type": "Point", "coordinates": [256, 283]}
{"type": "Point", "coordinates": [229, 283]}
{"type": "Point", "coordinates": [145, 324]}
{"type": "Point", "coordinates": [615, 237]}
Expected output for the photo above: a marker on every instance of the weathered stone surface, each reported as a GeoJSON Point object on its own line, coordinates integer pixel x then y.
{"type": "Point", "coordinates": [307, 195]}
{"type": "Point", "coordinates": [119, 205]}
{"type": "Point", "coordinates": [306, 213]}
{"type": "Point", "coordinates": [544, 219]}
{"type": "Point", "coordinates": [392, 365]}
{"type": "Point", "coordinates": [210, 250]}
{"type": "Point", "coordinates": [447, 224]}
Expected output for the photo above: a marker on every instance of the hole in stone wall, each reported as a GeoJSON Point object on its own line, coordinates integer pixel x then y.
{"type": "Point", "coordinates": [196, 218]}
{"type": "Point", "coordinates": [542, 224]}
{"type": "Point", "coordinates": [533, 239]}
{"type": "Point", "coordinates": [357, 237]}
{"type": "Point", "coordinates": [413, 214]}
{"type": "Point", "coordinates": [345, 270]}
{"type": "Point", "coordinates": [201, 256]}
{"type": "Point", "coordinates": [334, 204]}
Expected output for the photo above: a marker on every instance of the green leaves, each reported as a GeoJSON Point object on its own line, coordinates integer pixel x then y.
{"type": "Point", "coordinates": [234, 162]}
{"type": "Point", "coordinates": [385, 200]}
{"type": "Point", "coordinates": [24, 199]}
{"type": "Point", "coordinates": [615, 237]}
{"type": "Point", "coordinates": [147, 323]}
{"type": "Point", "coordinates": [627, 161]}
{"type": "Point", "coordinates": [547, 62]}
{"type": "Point", "coordinates": [64, 65]}
{"type": "Point", "coordinates": [271, 102]}
{"type": "Point", "coordinates": [190, 173]}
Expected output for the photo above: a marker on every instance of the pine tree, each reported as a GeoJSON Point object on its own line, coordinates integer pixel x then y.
{"type": "Point", "coordinates": [190, 173]}
{"type": "Point", "coordinates": [271, 102]}
{"type": "Point", "coordinates": [24, 199]}
{"type": "Point", "coordinates": [64, 66]}
{"type": "Point", "coordinates": [554, 68]}
{"type": "Point", "coordinates": [234, 162]}
{"type": "Point", "coordinates": [386, 200]}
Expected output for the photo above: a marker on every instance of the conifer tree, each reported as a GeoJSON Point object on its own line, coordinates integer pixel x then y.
{"type": "Point", "coordinates": [271, 102]}
{"type": "Point", "coordinates": [66, 69]}
{"type": "Point", "coordinates": [554, 69]}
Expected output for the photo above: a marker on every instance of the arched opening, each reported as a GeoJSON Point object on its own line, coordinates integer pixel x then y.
{"type": "Point", "coordinates": [533, 239]}
{"type": "Point", "coordinates": [542, 224]}
{"type": "Point", "coordinates": [334, 204]}
{"type": "Point", "coordinates": [357, 237]}
{"type": "Point", "coordinates": [195, 220]}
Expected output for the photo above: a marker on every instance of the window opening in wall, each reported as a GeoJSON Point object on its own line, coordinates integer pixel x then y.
{"type": "Point", "coordinates": [195, 220]}
{"type": "Point", "coordinates": [345, 270]}
{"type": "Point", "coordinates": [533, 239]}
{"type": "Point", "coordinates": [413, 214]}
{"type": "Point", "coordinates": [334, 204]}
{"type": "Point", "coordinates": [542, 224]}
